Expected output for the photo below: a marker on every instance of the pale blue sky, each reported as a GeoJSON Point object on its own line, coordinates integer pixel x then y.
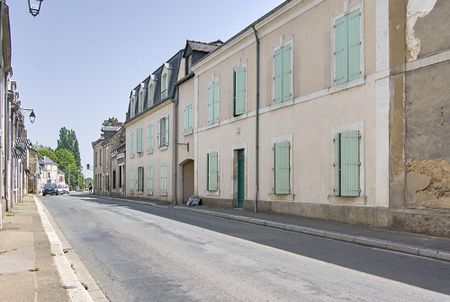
{"type": "Point", "coordinates": [76, 62]}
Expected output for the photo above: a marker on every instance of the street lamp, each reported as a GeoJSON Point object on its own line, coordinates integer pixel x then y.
{"type": "Point", "coordinates": [34, 6]}
{"type": "Point", "coordinates": [32, 115]}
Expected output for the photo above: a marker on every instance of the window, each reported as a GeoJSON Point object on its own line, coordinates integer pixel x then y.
{"type": "Point", "coordinates": [347, 33]}
{"type": "Point", "coordinates": [282, 168]}
{"type": "Point", "coordinates": [163, 178]}
{"type": "Point", "coordinates": [139, 141]}
{"type": "Point", "coordinates": [213, 171]}
{"type": "Point", "coordinates": [141, 99]}
{"type": "Point", "coordinates": [347, 163]}
{"type": "Point", "coordinates": [282, 60]}
{"type": "Point", "coordinates": [188, 64]}
{"type": "Point", "coordinates": [133, 104]}
{"type": "Point", "coordinates": [188, 119]}
{"type": "Point", "coordinates": [132, 183]}
{"type": "Point", "coordinates": [120, 176]}
{"type": "Point", "coordinates": [100, 157]}
{"type": "Point", "coordinates": [131, 145]}
{"type": "Point", "coordinates": [240, 89]}
{"type": "Point", "coordinates": [164, 84]}
{"type": "Point", "coordinates": [150, 138]}
{"type": "Point", "coordinates": [213, 102]}
{"type": "Point", "coordinates": [114, 179]}
{"type": "Point", "coordinates": [151, 94]}
{"type": "Point", "coordinates": [163, 132]}
{"type": "Point", "coordinates": [150, 180]}
{"type": "Point", "coordinates": [95, 159]}
{"type": "Point", "coordinates": [140, 179]}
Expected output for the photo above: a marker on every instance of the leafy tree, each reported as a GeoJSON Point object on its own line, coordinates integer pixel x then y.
{"type": "Point", "coordinates": [68, 140]}
{"type": "Point", "coordinates": [112, 121]}
{"type": "Point", "coordinates": [66, 162]}
{"type": "Point", "coordinates": [46, 151]}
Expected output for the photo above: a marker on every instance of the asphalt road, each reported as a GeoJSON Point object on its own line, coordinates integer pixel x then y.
{"type": "Point", "coordinates": [141, 252]}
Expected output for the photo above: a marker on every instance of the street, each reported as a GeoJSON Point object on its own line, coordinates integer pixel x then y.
{"type": "Point", "coordinates": [140, 252]}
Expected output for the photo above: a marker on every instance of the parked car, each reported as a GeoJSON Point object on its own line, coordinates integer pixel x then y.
{"type": "Point", "coordinates": [50, 188]}
{"type": "Point", "coordinates": [63, 188]}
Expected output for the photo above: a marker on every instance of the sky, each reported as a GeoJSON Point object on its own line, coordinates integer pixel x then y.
{"type": "Point", "coordinates": [77, 61]}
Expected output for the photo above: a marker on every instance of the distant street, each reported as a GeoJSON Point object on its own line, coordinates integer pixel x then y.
{"type": "Point", "coordinates": [140, 252]}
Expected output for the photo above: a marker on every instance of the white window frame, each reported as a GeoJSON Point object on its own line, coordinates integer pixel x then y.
{"type": "Point", "coordinates": [215, 78]}
{"type": "Point", "coordinates": [343, 12]}
{"type": "Point", "coordinates": [281, 139]}
{"type": "Point", "coordinates": [161, 130]}
{"type": "Point", "coordinates": [241, 63]}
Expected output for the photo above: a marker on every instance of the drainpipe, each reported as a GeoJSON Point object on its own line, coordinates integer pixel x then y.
{"type": "Point", "coordinates": [175, 149]}
{"type": "Point", "coordinates": [257, 118]}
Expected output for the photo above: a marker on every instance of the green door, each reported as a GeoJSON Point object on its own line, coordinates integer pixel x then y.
{"type": "Point", "coordinates": [240, 178]}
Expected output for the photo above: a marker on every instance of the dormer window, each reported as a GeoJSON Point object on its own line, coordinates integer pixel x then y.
{"type": "Point", "coordinates": [188, 64]}
{"type": "Point", "coordinates": [133, 104]}
{"type": "Point", "coordinates": [141, 98]}
{"type": "Point", "coordinates": [151, 93]}
{"type": "Point", "coordinates": [165, 77]}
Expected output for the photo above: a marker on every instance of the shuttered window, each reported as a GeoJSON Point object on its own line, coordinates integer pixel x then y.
{"type": "Point", "coordinates": [347, 164]}
{"type": "Point", "coordinates": [188, 119]}
{"type": "Point", "coordinates": [163, 132]}
{"type": "Point", "coordinates": [347, 54]}
{"type": "Point", "coordinates": [139, 140]}
{"type": "Point", "coordinates": [283, 73]}
{"type": "Point", "coordinates": [282, 168]}
{"type": "Point", "coordinates": [131, 146]}
{"type": "Point", "coordinates": [213, 171]}
{"type": "Point", "coordinates": [213, 102]}
{"type": "Point", "coordinates": [163, 178]}
{"type": "Point", "coordinates": [150, 138]}
{"type": "Point", "coordinates": [240, 90]}
{"type": "Point", "coordinates": [150, 179]}
{"type": "Point", "coordinates": [140, 182]}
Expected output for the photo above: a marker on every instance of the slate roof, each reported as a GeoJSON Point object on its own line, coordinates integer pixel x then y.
{"type": "Point", "coordinates": [46, 161]}
{"type": "Point", "coordinates": [202, 46]}
{"type": "Point", "coordinates": [174, 62]}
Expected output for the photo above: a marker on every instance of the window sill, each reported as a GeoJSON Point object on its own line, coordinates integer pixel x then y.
{"type": "Point", "coordinates": [163, 194]}
{"type": "Point", "coordinates": [285, 103]}
{"type": "Point", "coordinates": [283, 197]}
{"type": "Point", "coordinates": [163, 148]}
{"type": "Point", "coordinates": [150, 151]}
{"type": "Point", "coordinates": [212, 193]}
{"type": "Point", "coordinates": [149, 193]}
{"type": "Point", "coordinates": [213, 125]}
{"type": "Point", "coordinates": [188, 133]}
{"type": "Point", "coordinates": [347, 85]}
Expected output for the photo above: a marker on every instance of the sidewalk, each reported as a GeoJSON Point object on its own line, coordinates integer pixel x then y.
{"type": "Point", "coordinates": [409, 243]}
{"type": "Point", "coordinates": [34, 265]}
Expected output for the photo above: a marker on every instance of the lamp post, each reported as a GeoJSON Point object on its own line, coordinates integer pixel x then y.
{"type": "Point", "coordinates": [32, 115]}
{"type": "Point", "coordinates": [34, 7]}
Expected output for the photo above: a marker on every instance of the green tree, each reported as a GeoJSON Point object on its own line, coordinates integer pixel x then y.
{"type": "Point", "coordinates": [68, 140]}
{"type": "Point", "coordinates": [112, 121]}
{"type": "Point", "coordinates": [46, 151]}
{"type": "Point", "coordinates": [66, 162]}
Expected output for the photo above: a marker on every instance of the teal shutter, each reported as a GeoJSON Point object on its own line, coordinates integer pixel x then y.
{"type": "Point", "coordinates": [216, 101]}
{"type": "Point", "coordinates": [150, 137]}
{"type": "Point", "coordinates": [211, 103]}
{"type": "Point", "coordinates": [150, 179]}
{"type": "Point", "coordinates": [163, 178]}
{"type": "Point", "coordinates": [354, 45]}
{"type": "Point", "coordinates": [158, 133]}
{"type": "Point", "coordinates": [213, 171]}
{"type": "Point", "coordinates": [341, 50]}
{"type": "Point", "coordinates": [278, 77]}
{"type": "Point", "coordinates": [139, 140]}
{"type": "Point", "coordinates": [282, 168]}
{"type": "Point", "coordinates": [287, 73]}
{"type": "Point", "coordinates": [337, 164]}
{"type": "Point", "coordinates": [240, 90]}
{"type": "Point", "coordinates": [191, 119]}
{"type": "Point", "coordinates": [350, 163]}
{"type": "Point", "coordinates": [166, 131]}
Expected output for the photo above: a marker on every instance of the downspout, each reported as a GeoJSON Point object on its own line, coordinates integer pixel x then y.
{"type": "Point", "coordinates": [257, 118]}
{"type": "Point", "coordinates": [175, 149]}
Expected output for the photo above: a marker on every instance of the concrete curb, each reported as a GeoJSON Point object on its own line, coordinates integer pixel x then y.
{"type": "Point", "coordinates": [70, 281]}
{"type": "Point", "coordinates": [360, 240]}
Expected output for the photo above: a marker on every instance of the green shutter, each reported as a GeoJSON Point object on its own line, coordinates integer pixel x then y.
{"type": "Point", "coordinates": [131, 145]}
{"type": "Point", "coordinates": [354, 45]}
{"type": "Point", "coordinates": [216, 101]}
{"type": "Point", "coordinates": [139, 140]}
{"type": "Point", "coordinates": [213, 171]}
{"type": "Point", "coordinates": [150, 137]}
{"type": "Point", "coordinates": [211, 103]}
{"type": "Point", "coordinates": [150, 179]}
{"type": "Point", "coordinates": [158, 133]}
{"type": "Point", "coordinates": [350, 163]}
{"type": "Point", "coordinates": [240, 90]}
{"type": "Point", "coordinates": [278, 77]}
{"type": "Point", "coordinates": [341, 50]}
{"type": "Point", "coordinates": [282, 168]}
{"type": "Point", "coordinates": [163, 178]}
{"type": "Point", "coordinates": [337, 164]}
{"type": "Point", "coordinates": [287, 73]}
{"type": "Point", "coordinates": [191, 119]}
{"type": "Point", "coordinates": [166, 132]}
